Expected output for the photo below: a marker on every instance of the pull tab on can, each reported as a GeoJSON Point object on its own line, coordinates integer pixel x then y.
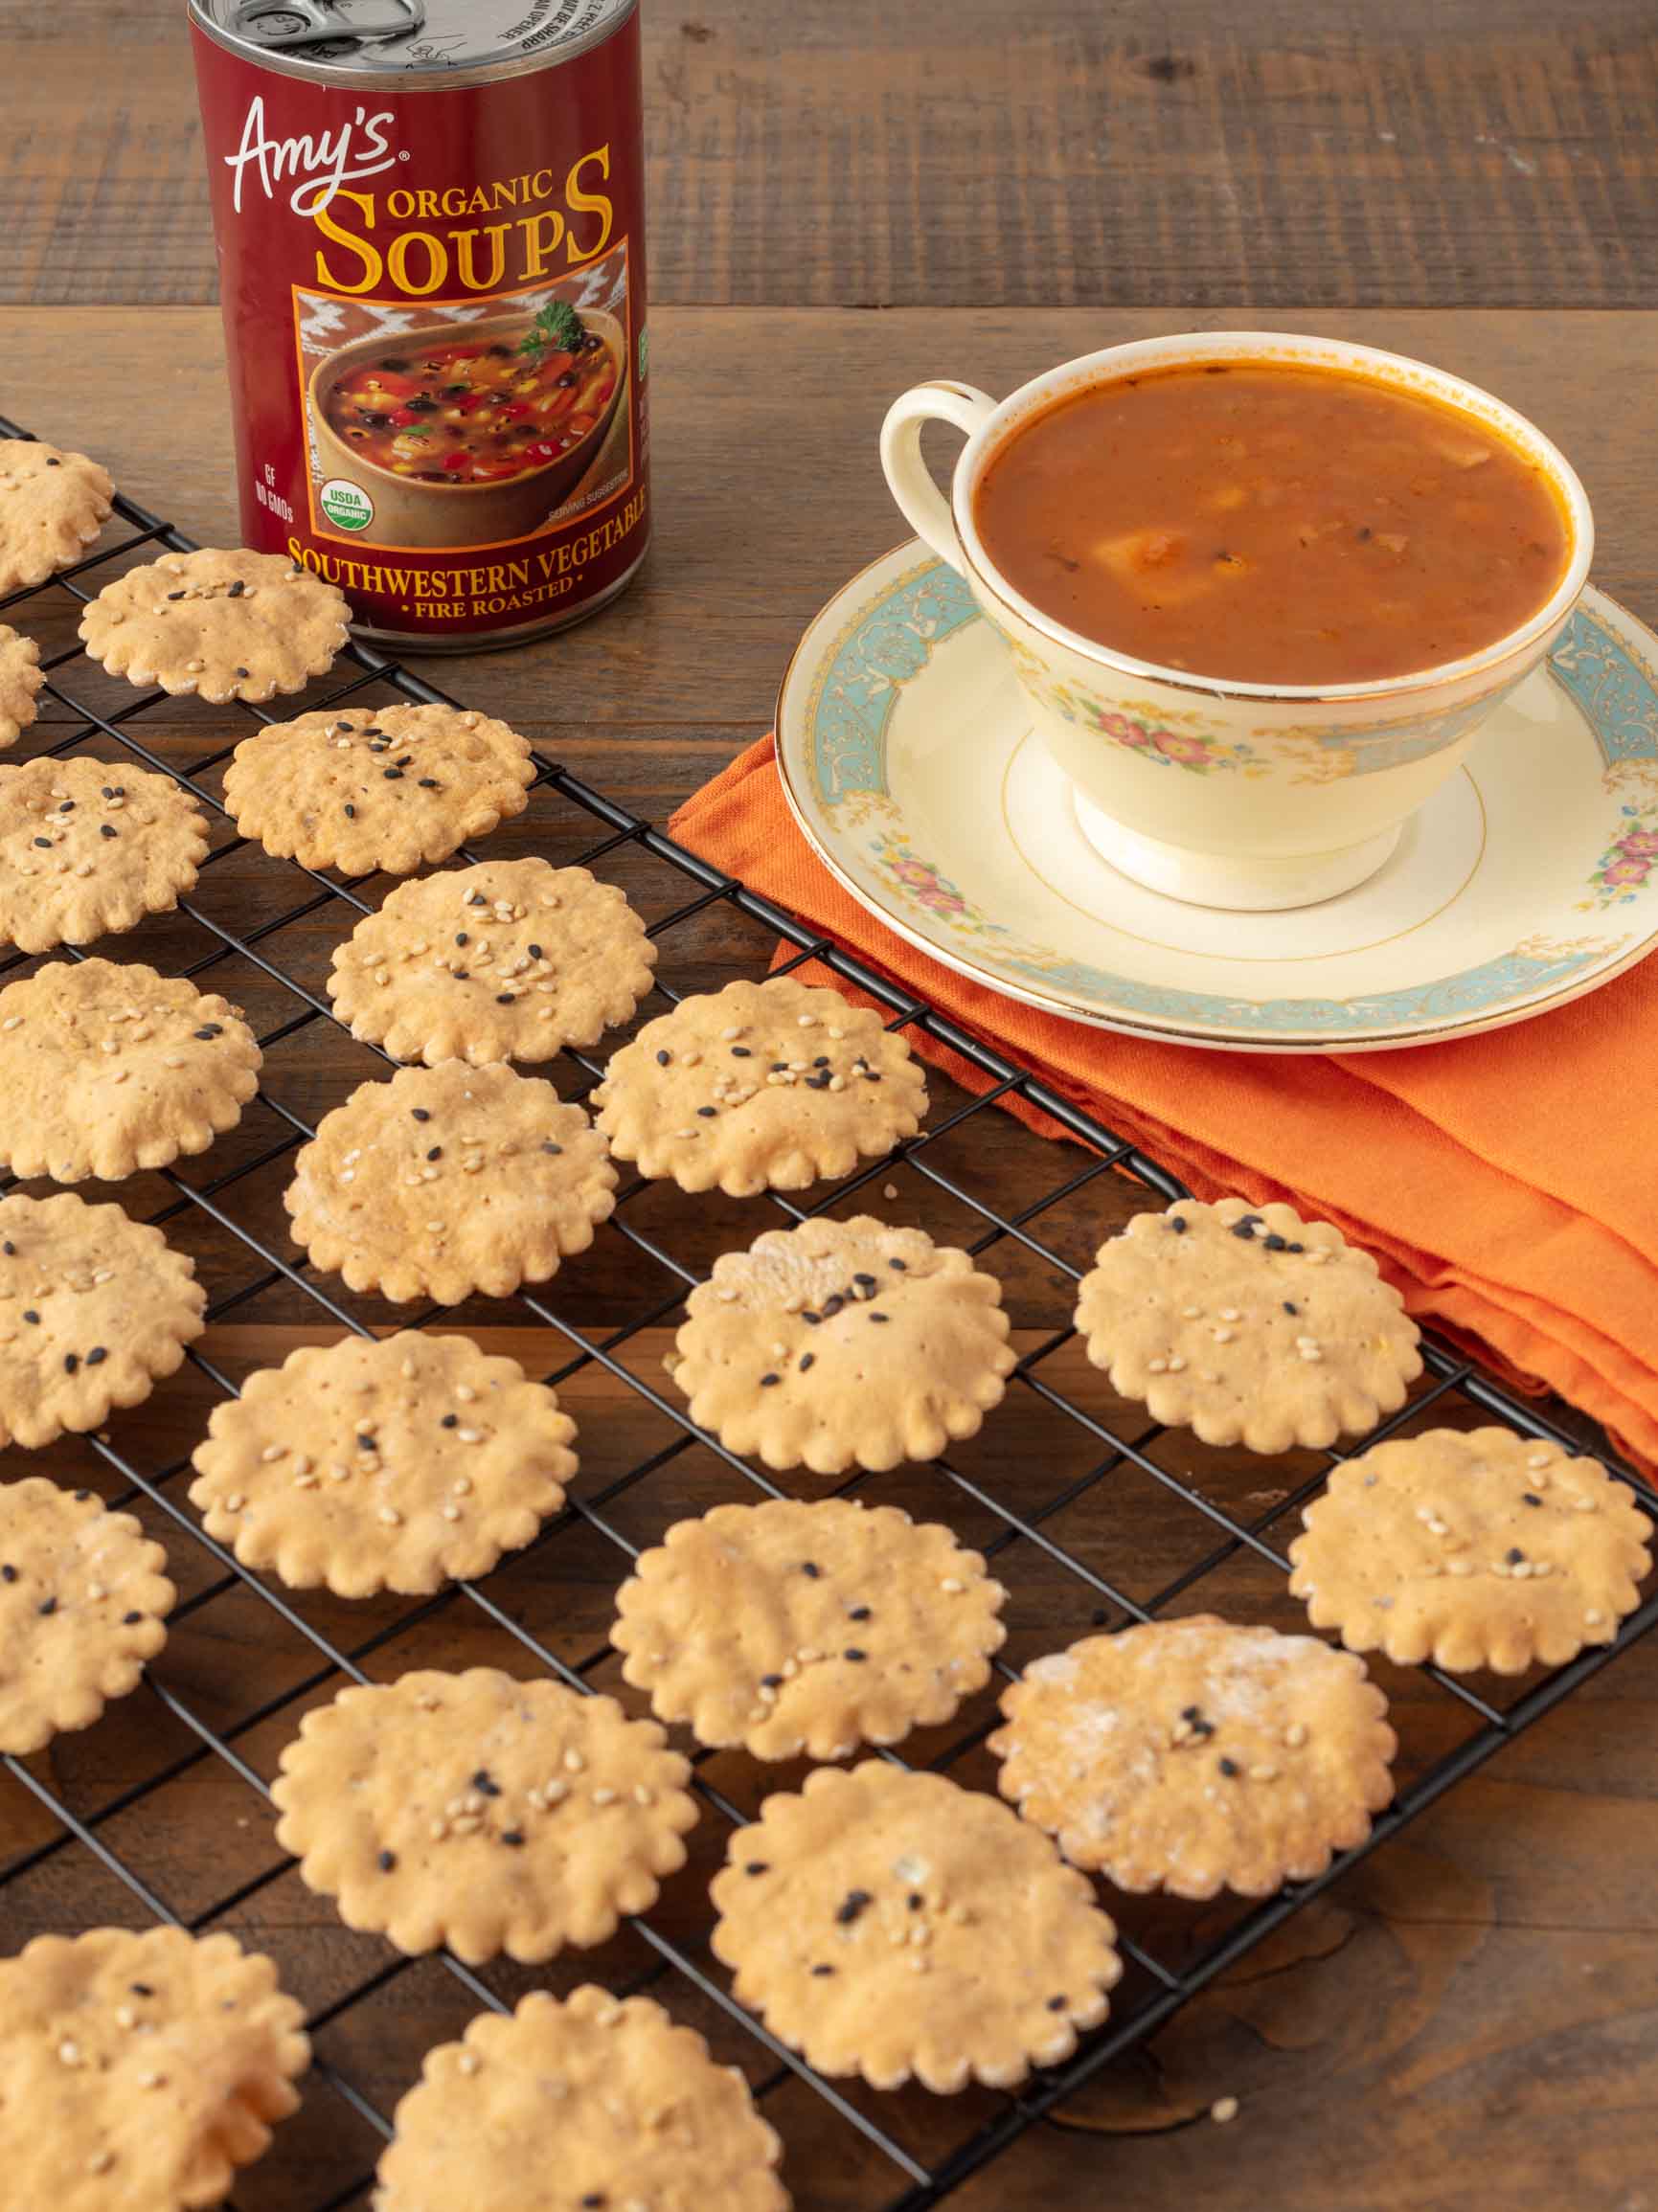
{"type": "Point", "coordinates": [286, 26]}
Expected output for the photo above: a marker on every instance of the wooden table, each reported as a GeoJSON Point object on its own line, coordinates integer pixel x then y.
{"type": "Point", "coordinates": [845, 198]}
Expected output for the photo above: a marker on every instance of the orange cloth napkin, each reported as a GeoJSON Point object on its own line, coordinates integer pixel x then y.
{"type": "Point", "coordinates": [1507, 1183]}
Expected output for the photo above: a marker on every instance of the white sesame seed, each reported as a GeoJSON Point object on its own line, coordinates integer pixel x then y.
{"type": "Point", "coordinates": [605, 1796]}
{"type": "Point", "coordinates": [1222, 2110]}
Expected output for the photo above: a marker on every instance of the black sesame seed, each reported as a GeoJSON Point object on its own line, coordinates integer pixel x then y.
{"type": "Point", "coordinates": [240, 671]}
{"type": "Point", "coordinates": [853, 1654]}
{"type": "Point", "coordinates": [1178, 1223]}
{"type": "Point", "coordinates": [512, 1837]}
{"type": "Point", "coordinates": [67, 807]}
{"type": "Point", "coordinates": [141, 1989]}
{"type": "Point", "coordinates": [1276, 1243]}
{"type": "Point", "coordinates": [486, 1784]}
{"type": "Point", "coordinates": [47, 1606]}
{"type": "Point", "coordinates": [458, 975]}
{"type": "Point", "coordinates": [461, 938]}
{"type": "Point", "coordinates": [875, 1314]}
{"type": "Point", "coordinates": [236, 590]}
{"type": "Point", "coordinates": [1295, 1248]}
{"type": "Point", "coordinates": [393, 775]}
{"type": "Point", "coordinates": [916, 1901]}
{"type": "Point", "coordinates": [771, 1681]}
{"type": "Point", "coordinates": [82, 1497]}
{"type": "Point", "coordinates": [1055, 2004]}
{"type": "Point", "coordinates": [7, 1573]}
{"type": "Point", "coordinates": [548, 1145]}
{"type": "Point", "coordinates": [436, 1153]}
{"type": "Point", "coordinates": [810, 1568]}
{"type": "Point", "coordinates": [1191, 1712]}
{"type": "Point", "coordinates": [822, 1060]}
{"type": "Point", "coordinates": [594, 2199]}
{"type": "Point", "coordinates": [350, 814]}
{"type": "Point", "coordinates": [51, 464]}
{"type": "Point", "coordinates": [506, 998]}
{"type": "Point", "coordinates": [406, 761]}
{"type": "Point", "coordinates": [1291, 1306]}
{"type": "Point", "coordinates": [832, 1305]}
{"type": "Point", "coordinates": [97, 1356]}
{"type": "Point", "coordinates": [1530, 1498]}
{"type": "Point", "coordinates": [1513, 1555]}
{"type": "Point", "coordinates": [1245, 1228]}
{"type": "Point", "coordinates": [813, 1320]}
{"type": "Point", "coordinates": [766, 1382]}
{"type": "Point", "coordinates": [71, 1361]}
{"type": "Point", "coordinates": [865, 1278]}
{"type": "Point", "coordinates": [421, 1112]}
{"type": "Point", "coordinates": [854, 1902]}
{"type": "Point", "coordinates": [740, 1053]}
{"type": "Point", "coordinates": [1229, 1769]}
{"type": "Point", "coordinates": [176, 595]}
{"type": "Point", "coordinates": [365, 1442]}
{"type": "Point", "coordinates": [388, 1859]}
{"type": "Point", "coordinates": [758, 1866]}
{"type": "Point", "coordinates": [903, 1266]}
{"type": "Point", "coordinates": [534, 952]}
{"type": "Point", "coordinates": [44, 841]}
{"type": "Point", "coordinates": [858, 1612]}
{"type": "Point", "coordinates": [207, 1035]}
{"type": "Point", "coordinates": [706, 1113]}
{"type": "Point", "coordinates": [132, 1620]}
{"type": "Point", "coordinates": [9, 1249]}
{"type": "Point", "coordinates": [808, 1360]}
{"type": "Point", "coordinates": [30, 1315]}
{"type": "Point", "coordinates": [476, 898]}
{"type": "Point", "coordinates": [663, 1059]}
{"type": "Point", "coordinates": [450, 1421]}
{"type": "Point", "coordinates": [819, 1972]}
{"type": "Point", "coordinates": [430, 783]}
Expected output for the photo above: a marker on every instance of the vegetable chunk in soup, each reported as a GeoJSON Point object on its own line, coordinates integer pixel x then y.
{"type": "Point", "coordinates": [1274, 525]}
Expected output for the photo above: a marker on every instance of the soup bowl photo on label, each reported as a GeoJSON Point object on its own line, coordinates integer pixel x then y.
{"type": "Point", "coordinates": [1260, 590]}
{"type": "Point", "coordinates": [466, 434]}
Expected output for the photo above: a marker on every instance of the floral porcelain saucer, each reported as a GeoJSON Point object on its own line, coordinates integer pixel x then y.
{"type": "Point", "coordinates": [1530, 877]}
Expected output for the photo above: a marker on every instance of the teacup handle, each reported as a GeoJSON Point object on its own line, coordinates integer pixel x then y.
{"type": "Point", "coordinates": [925, 509]}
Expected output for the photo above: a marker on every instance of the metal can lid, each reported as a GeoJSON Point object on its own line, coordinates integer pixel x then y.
{"type": "Point", "coordinates": [344, 41]}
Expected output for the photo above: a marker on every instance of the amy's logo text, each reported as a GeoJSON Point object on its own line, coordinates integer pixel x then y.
{"type": "Point", "coordinates": [321, 165]}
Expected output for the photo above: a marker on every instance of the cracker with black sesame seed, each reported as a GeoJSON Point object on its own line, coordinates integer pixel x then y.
{"type": "Point", "coordinates": [644, 2118]}
{"type": "Point", "coordinates": [483, 1813]}
{"type": "Point", "coordinates": [219, 625]}
{"type": "Point", "coordinates": [86, 849]}
{"type": "Point", "coordinates": [765, 1086]}
{"type": "Point", "coordinates": [138, 2071]}
{"type": "Point", "coordinates": [508, 960]}
{"type": "Point", "coordinates": [107, 1069]}
{"type": "Point", "coordinates": [796, 1628]}
{"type": "Point", "coordinates": [83, 1596]}
{"type": "Point", "coordinates": [1474, 1548]}
{"type": "Point", "coordinates": [94, 1308]}
{"type": "Point", "coordinates": [892, 1925]}
{"type": "Point", "coordinates": [841, 1344]}
{"type": "Point", "coordinates": [53, 505]}
{"type": "Point", "coordinates": [448, 1181]}
{"type": "Point", "coordinates": [382, 787]}
{"type": "Point", "coordinates": [21, 677]}
{"type": "Point", "coordinates": [1194, 1756]}
{"type": "Point", "coordinates": [399, 1463]}
{"type": "Point", "coordinates": [1248, 1325]}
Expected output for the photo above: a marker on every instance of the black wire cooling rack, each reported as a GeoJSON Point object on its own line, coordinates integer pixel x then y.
{"type": "Point", "coordinates": [1101, 1517]}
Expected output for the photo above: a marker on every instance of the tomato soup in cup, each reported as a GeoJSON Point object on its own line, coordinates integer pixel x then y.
{"type": "Point", "coordinates": [1260, 590]}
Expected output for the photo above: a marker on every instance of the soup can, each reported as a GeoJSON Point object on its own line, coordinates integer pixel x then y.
{"type": "Point", "coordinates": [429, 216]}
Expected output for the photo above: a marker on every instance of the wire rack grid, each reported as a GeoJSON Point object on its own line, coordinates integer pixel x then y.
{"type": "Point", "coordinates": [846, 2147]}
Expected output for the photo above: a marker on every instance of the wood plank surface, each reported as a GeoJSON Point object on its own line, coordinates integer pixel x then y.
{"type": "Point", "coordinates": [1428, 152]}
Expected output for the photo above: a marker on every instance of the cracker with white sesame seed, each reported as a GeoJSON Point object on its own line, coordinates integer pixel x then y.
{"type": "Point", "coordinates": [840, 1343]}
{"type": "Point", "coordinates": [377, 788]}
{"type": "Point", "coordinates": [450, 1180]}
{"type": "Point", "coordinates": [138, 2071]}
{"type": "Point", "coordinates": [106, 1068]}
{"type": "Point", "coordinates": [219, 625]}
{"type": "Point", "coordinates": [86, 849]}
{"type": "Point", "coordinates": [21, 676]}
{"type": "Point", "coordinates": [764, 1086]}
{"type": "Point", "coordinates": [644, 2118]}
{"type": "Point", "coordinates": [1474, 1548]}
{"type": "Point", "coordinates": [508, 960]}
{"type": "Point", "coordinates": [483, 1813]}
{"type": "Point", "coordinates": [892, 1924]}
{"type": "Point", "coordinates": [1195, 1755]}
{"type": "Point", "coordinates": [807, 1627]}
{"type": "Point", "coordinates": [94, 1308]}
{"type": "Point", "coordinates": [53, 505]}
{"type": "Point", "coordinates": [399, 1463]}
{"type": "Point", "coordinates": [1248, 1325]}
{"type": "Point", "coordinates": [82, 1599]}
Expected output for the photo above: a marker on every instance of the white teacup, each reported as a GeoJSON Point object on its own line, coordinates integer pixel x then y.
{"type": "Point", "coordinates": [1228, 794]}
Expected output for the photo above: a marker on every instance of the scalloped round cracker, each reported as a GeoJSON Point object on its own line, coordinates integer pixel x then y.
{"type": "Point", "coordinates": [83, 1597]}
{"type": "Point", "coordinates": [644, 2116]}
{"type": "Point", "coordinates": [506, 960]}
{"type": "Point", "coordinates": [843, 1342]}
{"type": "Point", "coordinates": [108, 1068]}
{"type": "Point", "coordinates": [891, 1924]}
{"type": "Point", "coordinates": [53, 505]}
{"type": "Point", "coordinates": [1195, 1755]}
{"type": "Point", "coordinates": [760, 1086]}
{"type": "Point", "coordinates": [1472, 1548]}
{"type": "Point", "coordinates": [448, 1181]}
{"type": "Point", "coordinates": [805, 1628]}
{"type": "Point", "coordinates": [94, 1308]}
{"type": "Point", "coordinates": [1248, 1325]}
{"type": "Point", "coordinates": [86, 847]}
{"type": "Point", "coordinates": [219, 623]}
{"type": "Point", "coordinates": [139, 2071]}
{"type": "Point", "coordinates": [394, 1463]}
{"type": "Point", "coordinates": [362, 788]}
{"type": "Point", "coordinates": [483, 1813]}
{"type": "Point", "coordinates": [21, 677]}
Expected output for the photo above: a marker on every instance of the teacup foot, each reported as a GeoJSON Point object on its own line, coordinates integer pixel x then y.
{"type": "Point", "coordinates": [1252, 886]}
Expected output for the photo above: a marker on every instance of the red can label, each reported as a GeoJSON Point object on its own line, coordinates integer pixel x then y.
{"type": "Point", "coordinates": [434, 310]}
